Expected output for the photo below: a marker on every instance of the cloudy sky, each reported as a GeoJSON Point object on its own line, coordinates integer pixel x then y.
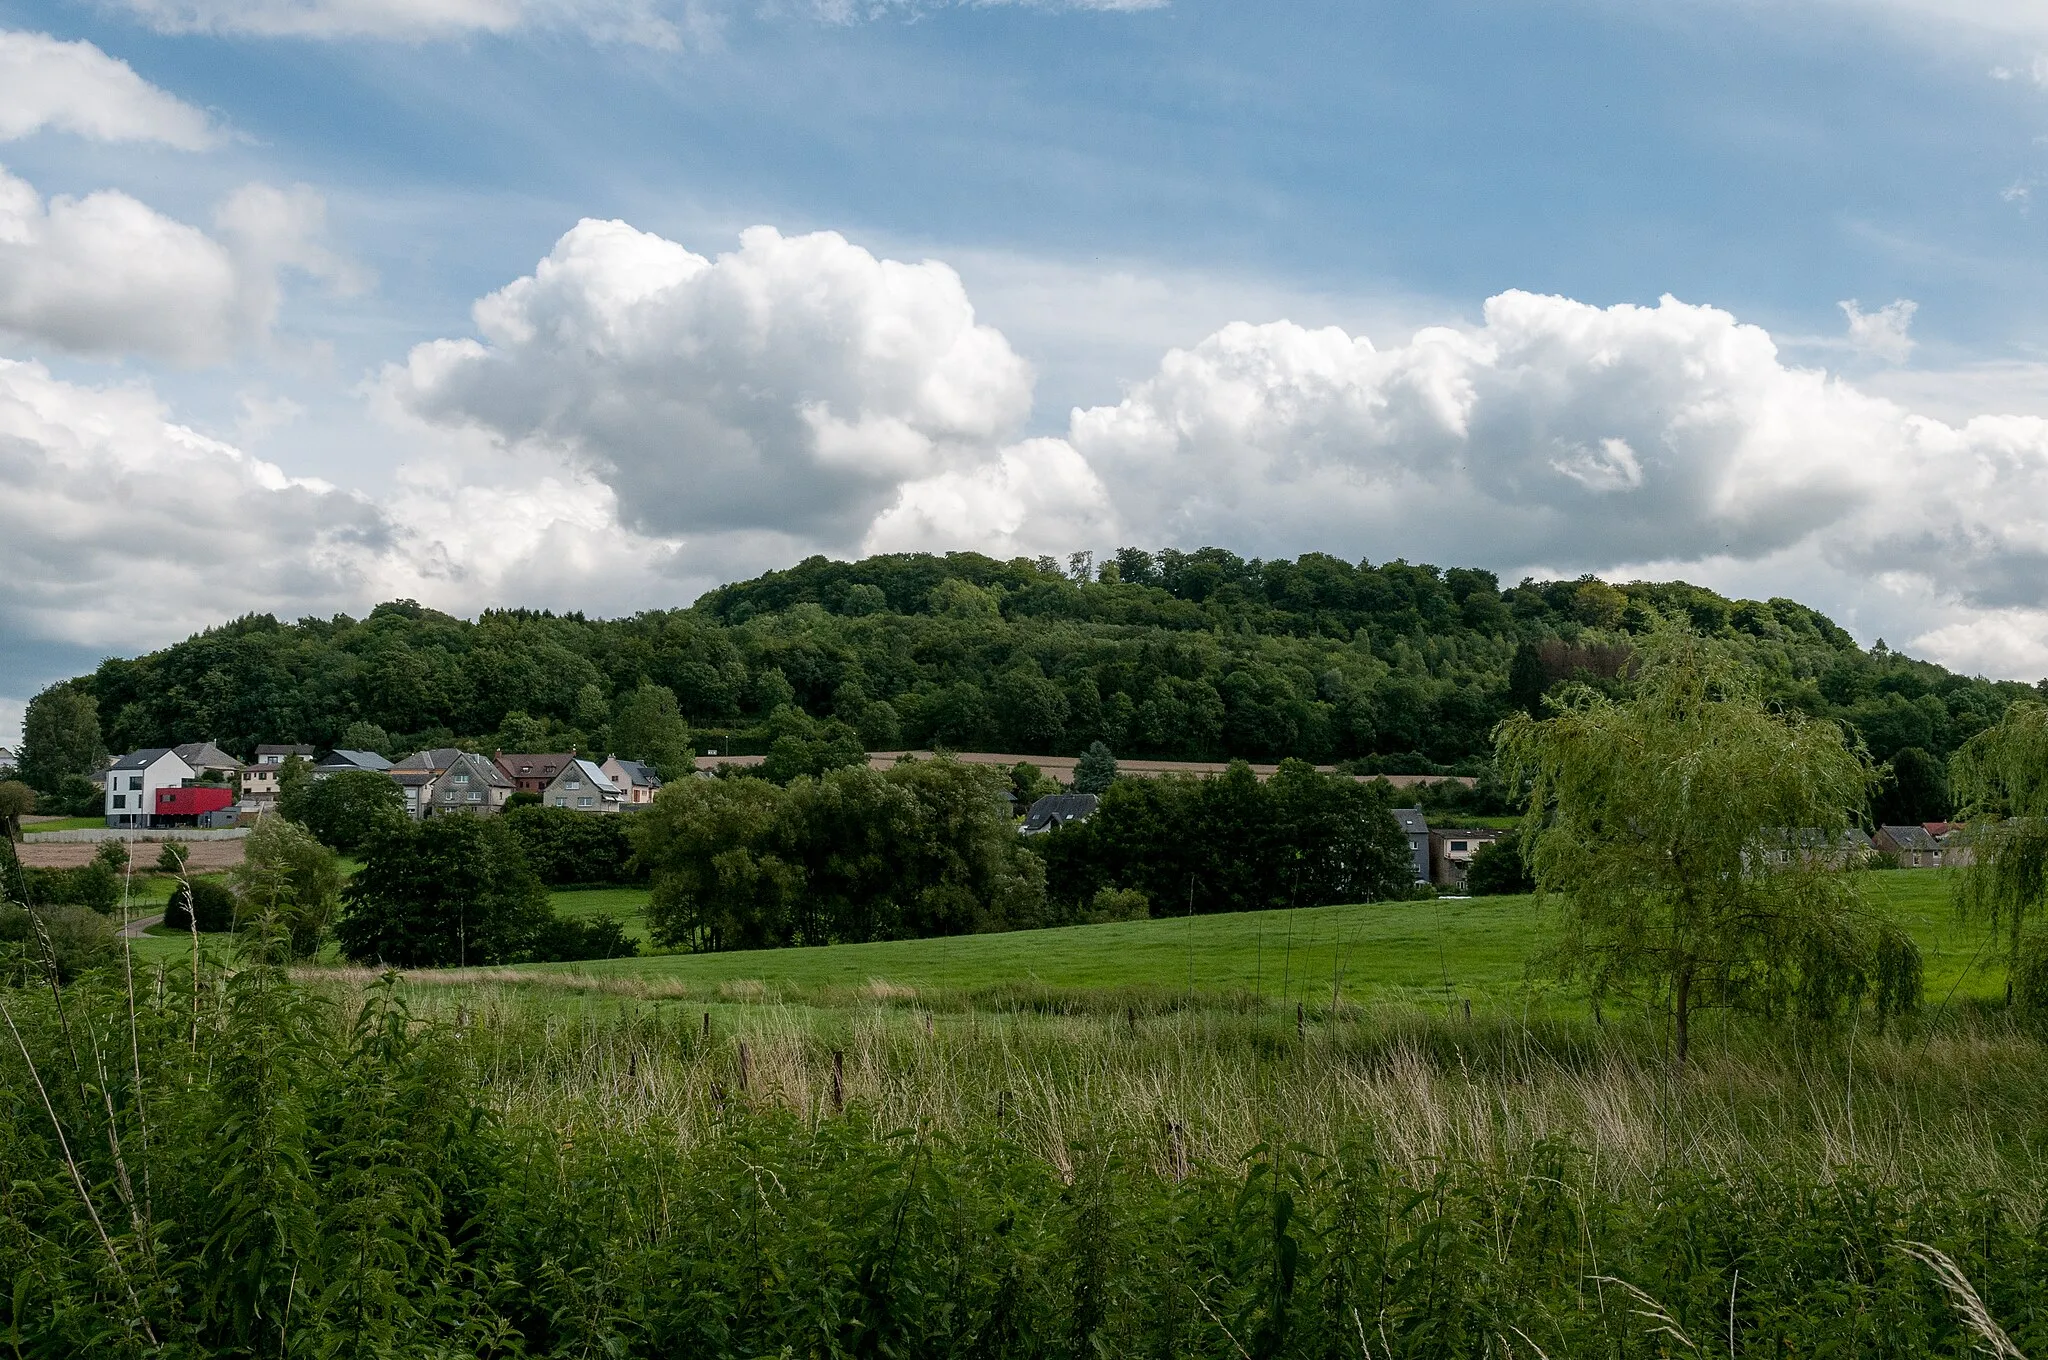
{"type": "Point", "coordinates": [591, 304]}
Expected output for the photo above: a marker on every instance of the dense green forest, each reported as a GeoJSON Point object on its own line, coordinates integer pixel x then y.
{"type": "Point", "coordinates": [1397, 667]}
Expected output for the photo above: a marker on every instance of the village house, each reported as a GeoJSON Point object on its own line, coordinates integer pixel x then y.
{"type": "Point", "coordinates": [259, 776]}
{"type": "Point", "coordinates": [532, 772]}
{"type": "Point", "coordinates": [582, 787]}
{"type": "Point", "coordinates": [1055, 810]}
{"type": "Point", "coordinates": [132, 783]}
{"type": "Point", "coordinates": [1415, 826]}
{"type": "Point", "coordinates": [1451, 851]}
{"type": "Point", "coordinates": [1911, 847]}
{"type": "Point", "coordinates": [635, 780]}
{"type": "Point", "coordinates": [340, 762]}
{"type": "Point", "coordinates": [470, 783]}
{"type": "Point", "coordinates": [206, 758]}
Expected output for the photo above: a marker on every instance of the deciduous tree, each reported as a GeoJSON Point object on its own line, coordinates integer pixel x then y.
{"type": "Point", "coordinates": [2001, 781]}
{"type": "Point", "coordinates": [1686, 830]}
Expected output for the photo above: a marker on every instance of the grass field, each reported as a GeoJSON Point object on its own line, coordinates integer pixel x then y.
{"type": "Point", "coordinates": [64, 824]}
{"type": "Point", "coordinates": [1443, 952]}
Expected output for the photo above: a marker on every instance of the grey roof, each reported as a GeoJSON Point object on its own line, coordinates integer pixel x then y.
{"type": "Point", "coordinates": [1910, 837]}
{"type": "Point", "coordinates": [596, 777]}
{"type": "Point", "coordinates": [143, 759]}
{"type": "Point", "coordinates": [1057, 809]}
{"type": "Point", "coordinates": [355, 760]}
{"type": "Point", "coordinates": [204, 755]}
{"type": "Point", "coordinates": [440, 758]}
{"type": "Point", "coordinates": [638, 773]}
{"type": "Point", "coordinates": [468, 762]}
{"type": "Point", "coordinates": [284, 750]}
{"type": "Point", "coordinates": [412, 779]}
{"type": "Point", "coordinates": [1412, 821]}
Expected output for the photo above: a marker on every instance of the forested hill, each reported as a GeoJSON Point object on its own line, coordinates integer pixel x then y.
{"type": "Point", "coordinates": [1200, 654]}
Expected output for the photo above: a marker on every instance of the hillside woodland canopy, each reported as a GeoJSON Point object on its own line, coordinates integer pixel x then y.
{"type": "Point", "coordinates": [1202, 655]}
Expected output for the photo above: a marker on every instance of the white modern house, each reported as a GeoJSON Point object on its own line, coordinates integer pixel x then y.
{"type": "Point", "coordinates": [133, 781]}
{"type": "Point", "coordinates": [583, 787]}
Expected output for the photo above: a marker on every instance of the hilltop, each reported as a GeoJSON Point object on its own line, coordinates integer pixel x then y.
{"type": "Point", "coordinates": [1200, 655]}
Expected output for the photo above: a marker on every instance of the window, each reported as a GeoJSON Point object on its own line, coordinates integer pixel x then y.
{"type": "Point", "coordinates": [135, 783]}
{"type": "Point", "coordinates": [582, 802]}
{"type": "Point", "coordinates": [1457, 845]}
{"type": "Point", "coordinates": [572, 784]}
{"type": "Point", "coordinates": [120, 800]}
{"type": "Point", "coordinates": [561, 802]}
{"type": "Point", "coordinates": [476, 797]}
{"type": "Point", "coordinates": [462, 779]}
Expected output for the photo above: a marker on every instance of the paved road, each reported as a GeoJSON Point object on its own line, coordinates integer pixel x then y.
{"type": "Point", "coordinates": [134, 929]}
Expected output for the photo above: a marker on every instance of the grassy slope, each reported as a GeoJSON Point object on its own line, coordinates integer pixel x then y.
{"type": "Point", "coordinates": [1477, 948]}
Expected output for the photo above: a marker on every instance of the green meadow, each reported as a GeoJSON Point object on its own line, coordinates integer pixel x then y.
{"type": "Point", "coordinates": [1449, 951]}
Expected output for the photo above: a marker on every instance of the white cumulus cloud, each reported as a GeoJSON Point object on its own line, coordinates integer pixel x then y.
{"type": "Point", "coordinates": [1578, 437]}
{"type": "Point", "coordinates": [793, 385]}
{"type": "Point", "coordinates": [75, 87]}
{"type": "Point", "coordinates": [106, 274]}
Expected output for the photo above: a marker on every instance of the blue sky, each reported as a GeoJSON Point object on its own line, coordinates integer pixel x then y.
{"type": "Point", "coordinates": [1104, 187]}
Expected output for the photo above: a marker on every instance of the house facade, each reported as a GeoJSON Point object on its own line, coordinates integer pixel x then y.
{"type": "Point", "coordinates": [259, 776]}
{"type": "Point", "coordinates": [530, 771]}
{"type": "Point", "coordinates": [133, 781]}
{"type": "Point", "coordinates": [582, 787]}
{"type": "Point", "coordinates": [1451, 850]}
{"type": "Point", "coordinates": [635, 780]}
{"type": "Point", "coordinates": [469, 784]}
{"type": "Point", "coordinates": [1415, 826]}
{"type": "Point", "coordinates": [1911, 847]}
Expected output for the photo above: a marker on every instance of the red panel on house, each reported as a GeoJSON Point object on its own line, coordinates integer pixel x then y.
{"type": "Point", "coordinates": [193, 801]}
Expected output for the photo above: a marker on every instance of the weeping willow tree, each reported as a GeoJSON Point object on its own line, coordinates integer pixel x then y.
{"type": "Point", "coordinates": [1696, 840]}
{"type": "Point", "coordinates": [2001, 781]}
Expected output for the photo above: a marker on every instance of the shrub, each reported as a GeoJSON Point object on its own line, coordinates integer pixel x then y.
{"type": "Point", "coordinates": [289, 876]}
{"type": "Point", "coordinates": [79, 939]}
{"type": "Point", "coordinates": [1498, 868]}
{"type": "Point", "coordinates": [560, 939]}
{"type": "Point", "coordinates": [171, 859]}
{"type": "Point", "coordinates": [209, 899]}
{"type": "Point", "coordinates": [1117, 904]}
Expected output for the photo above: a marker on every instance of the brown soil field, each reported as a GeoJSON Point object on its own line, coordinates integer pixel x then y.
{"type": "Point", "coordinates": [207, 856]}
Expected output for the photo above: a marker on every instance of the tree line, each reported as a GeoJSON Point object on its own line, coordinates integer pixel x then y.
{"type": "Point", "coordinates": [1392, 667]}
